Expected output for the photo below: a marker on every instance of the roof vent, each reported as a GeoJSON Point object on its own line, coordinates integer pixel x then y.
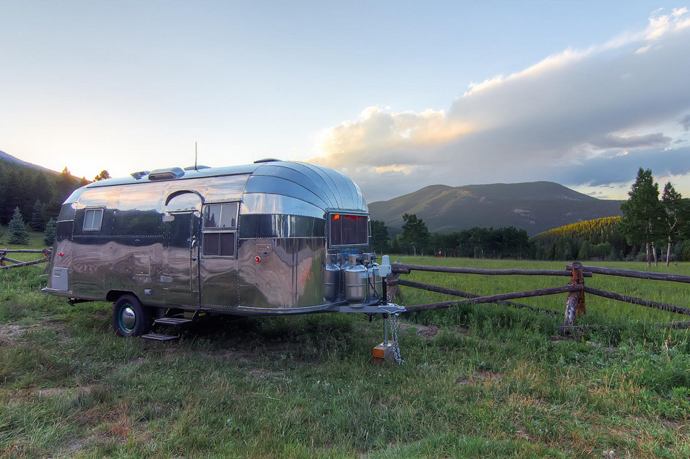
{"type": "Point", "coordinates": [166, 174]}
{"type": "Point", "coordinates": [139, 175]}
{"type": "Point", "coordinates": [194, 168]}
{"type": "Point", "coordinates": [266, 160]}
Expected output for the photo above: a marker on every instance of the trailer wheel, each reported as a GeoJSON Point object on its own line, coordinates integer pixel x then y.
{"type": "Point", "coordinates": [130, 318]}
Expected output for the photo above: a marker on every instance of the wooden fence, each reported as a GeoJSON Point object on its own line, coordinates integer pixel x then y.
{"type": "Point", "coordinates": [14, 263]}
{"type": "Point", "coordinates": [576, 289]}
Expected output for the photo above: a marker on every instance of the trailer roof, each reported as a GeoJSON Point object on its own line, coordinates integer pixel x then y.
{"type": "Point", "coordinates": [321, 186]}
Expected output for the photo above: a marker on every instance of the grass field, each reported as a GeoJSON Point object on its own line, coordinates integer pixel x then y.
{"type": "Point", "coordinates": [489, 382]}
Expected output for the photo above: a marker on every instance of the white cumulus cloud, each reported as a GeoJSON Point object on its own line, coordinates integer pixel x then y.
{"type": "Point", "coordinates": [564, 111]}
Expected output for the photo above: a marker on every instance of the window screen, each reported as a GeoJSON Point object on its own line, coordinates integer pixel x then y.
{"type": "Point", "coordinates": [219, 244]}
{"type": "Point", "coordinates": [220, 216]}
{"type": "Point", "coordinates": [93, 219]}
{"type": "Point", "coordinates": [349, 229]}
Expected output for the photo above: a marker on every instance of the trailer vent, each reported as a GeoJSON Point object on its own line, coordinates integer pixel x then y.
{"type": "Point", "coordinates": [140, 174]}
{"type": "Point", "coordinates": [166, 174]}
{"type": "Point", "coordinates": [266, 160]}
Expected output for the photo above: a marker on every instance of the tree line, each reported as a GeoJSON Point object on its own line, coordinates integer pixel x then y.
{"type": "Point", "coordinates": [31, 199]}
{"type": "Point", "coordinates": [655, 224]}
{"type": "Point", "coordinates": [416, 239]}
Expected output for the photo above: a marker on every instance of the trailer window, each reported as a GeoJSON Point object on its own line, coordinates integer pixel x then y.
{"type": "Point", "coordinates": [219, 244]}
{"type": "Point", "coordinates": [223, 215]}
{"type": "Point", "coordinates": [92, 219]}
{"type": "Point", "coordinates": [348, 229]}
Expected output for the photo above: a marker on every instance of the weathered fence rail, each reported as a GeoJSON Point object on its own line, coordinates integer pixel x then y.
{"type": "Point", "coordinates": [576, 289]}
{"type": "Point", "coordinates": [406, 269]}
{"type": "Point", "coordinates": [460, 293]}
{"type": "Point", "coordinates": [635, 274]}
{"type": "Point", "coordinates": [19, 263]}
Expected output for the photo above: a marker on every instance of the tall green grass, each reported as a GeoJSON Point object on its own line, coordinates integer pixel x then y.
{"type": "Point", "coordinates": [491, 383]}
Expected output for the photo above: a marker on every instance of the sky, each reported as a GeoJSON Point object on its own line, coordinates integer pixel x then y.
{"type": "Point", "coordinates": [398, 95]}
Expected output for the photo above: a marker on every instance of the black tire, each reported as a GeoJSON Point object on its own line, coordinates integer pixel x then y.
{"type": "Point", "coordinates": [130, 318]}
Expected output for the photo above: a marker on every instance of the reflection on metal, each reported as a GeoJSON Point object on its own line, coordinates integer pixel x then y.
{"type": "Point", "coordinates": [128, 318]}
{"type": "Point", "coordinates": [356, 280]}
{"type": "Point", "coordinates": [151, 241]}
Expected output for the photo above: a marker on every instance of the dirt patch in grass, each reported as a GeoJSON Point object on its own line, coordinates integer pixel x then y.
{"type": "Point", "coordinates": [10, 333]}
{"type": "Point", "coordinates": [58, 391]}
{"type": "Point", "coordinates": [479, 377]}
{"type": "Point", "coordinates": [423, 331]}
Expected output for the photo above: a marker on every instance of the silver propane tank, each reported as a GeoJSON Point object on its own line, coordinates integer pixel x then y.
{"type": "Point", "coordinates": [332, 279]}
{"type": "Point", "coordinates": [356, 280]}
{"type": "Point", "coordinates": [374, 278]}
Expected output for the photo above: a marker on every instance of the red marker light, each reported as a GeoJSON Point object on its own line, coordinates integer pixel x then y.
{"type": "Point", "coordinates": [257, 259]}
{"type": "Point", "coordinates": [61, 254]}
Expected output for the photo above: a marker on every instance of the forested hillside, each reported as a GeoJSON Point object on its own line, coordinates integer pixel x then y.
{"type": "Point", "coordinates": [597, 238]}
{"type": "Point", "coordinates": [533, 207]}
{"type": "Point", "coordinates": [38, 192]}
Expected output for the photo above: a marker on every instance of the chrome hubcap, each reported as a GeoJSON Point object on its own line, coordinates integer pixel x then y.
{"type": "Point", "coordinates": [128, 318]}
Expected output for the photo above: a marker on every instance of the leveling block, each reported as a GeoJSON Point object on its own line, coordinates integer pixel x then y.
{"type": "Point", "coordinates": [389, 349]}
{"type": "Point", "coordinates": [383, 352]}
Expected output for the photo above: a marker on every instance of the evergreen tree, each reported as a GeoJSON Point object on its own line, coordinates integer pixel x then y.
{"type": "Point", "coordinates": [49, 236]}
{"type": "Point", "coordinates": [103, 175]}
{"type": "Point", "coordinates": [642, 212]}
{"type": "Point", "coordinates": [17, 229]}
{"type": "Point", "coordinates": [37, 216]}
{"type": "Point", "coordinates": [584, 252]}
{"type": "Point", "coordinates": [415, 233]}
{"type": "Point", "coordinates": [41, 189]}
{"type": "Point", "coordinates": [674, 216]}
{"type": "Point", "coordinates": [379, 236]}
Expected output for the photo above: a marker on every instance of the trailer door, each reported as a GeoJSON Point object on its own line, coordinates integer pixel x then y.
{"type": "Point", "coordinates": [219, 277]}
{"type": "Point", "coordinates": [180, 270]}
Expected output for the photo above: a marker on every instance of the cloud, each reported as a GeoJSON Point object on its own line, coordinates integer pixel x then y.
{"type": "Point", "coordinates": [609, 141]}
{"type": "Point", "coordinates": [604, 170]}
{"type": "Point", "coordinates": [685, 122]}
{"type": "Point", "coordinates": [546, 121]}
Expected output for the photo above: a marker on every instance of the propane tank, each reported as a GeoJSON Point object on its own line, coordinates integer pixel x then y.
{"type": "Point", "coordinates": [332, 277]}
{"type": "Point", "coordinates": [374, 283]}
{"type": "Point", "coordinates": [356, 280]}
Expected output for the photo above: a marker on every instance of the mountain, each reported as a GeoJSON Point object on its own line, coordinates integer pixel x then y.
{"type": "Point", "coordinates": [36, 190]}
{"type": "Point", "coordinates": [532, 206]}
{"type": "Point", "coordinates": [8, 158]}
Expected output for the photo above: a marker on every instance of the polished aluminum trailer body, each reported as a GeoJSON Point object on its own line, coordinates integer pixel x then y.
{"type": "Point", "coordinates": [246, 240]}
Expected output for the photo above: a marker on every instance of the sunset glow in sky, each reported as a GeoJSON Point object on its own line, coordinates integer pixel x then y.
{"type": "Point", "coordinates": [398, 95]}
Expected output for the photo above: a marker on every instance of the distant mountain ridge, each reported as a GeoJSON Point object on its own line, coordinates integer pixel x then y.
{"type": "Point", "coordinates": [532, 206]}
{"type": "Point", "coordinates": [19, 162]}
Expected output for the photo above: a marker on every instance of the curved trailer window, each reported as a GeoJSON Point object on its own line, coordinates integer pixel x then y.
{"type": "Point", "coordinates": [92, 219]}
{"type": "Point", "coordinates": [219, 229]}
{"type": "Point", "coordinates": [348, 229]}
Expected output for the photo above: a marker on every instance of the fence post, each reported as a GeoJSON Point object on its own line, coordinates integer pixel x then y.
{"type": "Point", "coordinates": [575, 303]}
{"type": "Point", "coordinates": [2, 257]}
{"type": "Point", "coordinates": [392, 287]}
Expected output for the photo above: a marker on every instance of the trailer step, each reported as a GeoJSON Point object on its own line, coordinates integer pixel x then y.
{"type": "Point", "coordinates": [159, 337]}
{"type": "Point", "coordinates": [173, 321]}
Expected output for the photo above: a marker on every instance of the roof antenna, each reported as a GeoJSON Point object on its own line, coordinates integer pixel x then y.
{"type": "Point", "coordinates": [195, 157]}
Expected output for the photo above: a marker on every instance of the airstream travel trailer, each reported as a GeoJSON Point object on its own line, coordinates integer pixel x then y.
{"type": "Point", "coordinates": [268, 238]}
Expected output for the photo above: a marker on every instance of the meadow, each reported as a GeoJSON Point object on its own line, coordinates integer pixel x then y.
{"type": "Point", "coordinates": [478, 381]}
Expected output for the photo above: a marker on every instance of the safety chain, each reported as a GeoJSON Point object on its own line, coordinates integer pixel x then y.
{"type": "Point", "coordinates": [393, 322]}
